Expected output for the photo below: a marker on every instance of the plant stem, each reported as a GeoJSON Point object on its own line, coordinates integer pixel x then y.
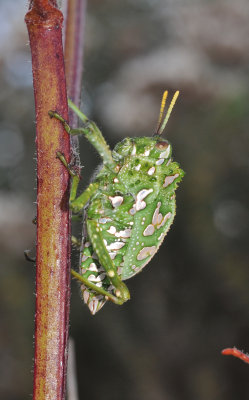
{"type": "Point", "coordinates": [44, 23]}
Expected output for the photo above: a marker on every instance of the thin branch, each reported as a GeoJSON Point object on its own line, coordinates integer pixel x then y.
{"type": "Point", "coordinates": [44, 23]}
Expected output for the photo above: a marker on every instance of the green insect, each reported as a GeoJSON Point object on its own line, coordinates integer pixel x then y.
{"type": "Point", "coordinates": [127, 209]}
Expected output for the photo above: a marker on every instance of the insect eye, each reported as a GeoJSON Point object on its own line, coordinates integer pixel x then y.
{"type": "Point", "coordinates": [162, 145]}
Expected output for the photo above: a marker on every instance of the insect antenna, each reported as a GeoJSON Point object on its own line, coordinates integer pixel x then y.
{"type": "Point", "coordinates": [162, 122]}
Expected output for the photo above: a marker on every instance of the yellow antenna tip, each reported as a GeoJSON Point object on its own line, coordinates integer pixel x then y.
{"type": "Point", "coordinates": [161, 126]}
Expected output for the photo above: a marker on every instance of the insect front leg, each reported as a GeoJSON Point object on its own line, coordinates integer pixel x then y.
{"type": "Point", "coordinates": [90, 131]}
{"type": "Point", "coordinates": [77, 203]}
{"type": "Point", "coordinates": [95, 235]}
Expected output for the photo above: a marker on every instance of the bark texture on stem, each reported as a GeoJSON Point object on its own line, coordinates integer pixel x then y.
{"type": "Point", "coordinates": [44, 23]}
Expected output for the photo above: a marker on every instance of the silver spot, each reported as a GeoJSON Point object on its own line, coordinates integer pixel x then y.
{"type": "Point", "coordinates": [84, 257]}
{"type": "Point", "coordinates": [140, 204]}
{"type": "Point", "coordinates": [93, 278]}
{"type": "Point", "coordinates": [134, 150]}
{"type": "Point", "coordinates": [115, 246]}
{"type": "Point", "coordinates": [87, 244]}
{"type": "Point", "coordinates": [137, 243]}
{"type": "Point", "coordinates": [132, 211]}
{"type": "Point", "coordinates": [104, 220]}
{"type": "Point", "coordinates": [115, 180]}
{"type": "Point", "coordinates": [160, 161]}
{"type": "Point", "coordinates": [147, 153]}
{"type": "Point", "coordinates": [116, 200]}
{"type": "Point", "coordinates": [137, 168]}
{"type": "Point", "coordinates": [102, 276]}
{"type": "Point", "coordinates": [151, 171]}
{"type": "Point", "coordinates": [156, 214]}
{"type": "Point", "coordinates": [149, 230]}
{"type": "Point", "coordinates": [169, 180]}
{"type": "Point", "coordinates": [93, 267]}
{"type": "Point", "coordinates": [119, 270]}
{"type": "Point", "coordinates": [93, 306]}
{"type": "Point", "coordinates": [112, 255]}
{"type": "Point", "coordinates": [165, 153]}
{"type": "Point", "coordinates": [123, 234]}
{"type": "Point", "coordinates": [167, 216]}
{"type": "Point", "coordinates": [161, 236]}
{"type": "Point", "coordinates": [146, 252]}
{"type": "Point", "coordinates": [85, 294]}
{"type": "Point", "coordinates": [112, 230]}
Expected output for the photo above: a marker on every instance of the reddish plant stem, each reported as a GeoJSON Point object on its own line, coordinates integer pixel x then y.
{"type": "Point", "coordinates": [73, 52]}
{"type": "Point", "coordinates": [44, 23]}
{"type": "Point", "coordinates": [236, 353]}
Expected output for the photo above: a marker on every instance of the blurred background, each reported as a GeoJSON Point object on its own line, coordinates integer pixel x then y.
{"type": "Point", "coordinates": [192, 300]}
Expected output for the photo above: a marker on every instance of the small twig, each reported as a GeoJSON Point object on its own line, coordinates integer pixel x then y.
{"type": "Point", "coordinates": [236, 353]}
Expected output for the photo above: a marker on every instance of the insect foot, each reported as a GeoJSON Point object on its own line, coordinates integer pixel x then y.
{"type": "Point", "coordinates": [122, 292]}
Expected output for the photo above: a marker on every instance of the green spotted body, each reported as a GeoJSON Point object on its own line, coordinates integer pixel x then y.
{"type": "Point", "coordinates": [128, 210]}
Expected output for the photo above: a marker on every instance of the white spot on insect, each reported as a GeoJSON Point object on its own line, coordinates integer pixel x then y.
{"type": "Point", "coordinates": [170, 179]}
{"type": "Point", "coordinates": [102, 276]}
{"type": "Point", "coordinates": [142, 223]}
{"type": "Point", "coordinates": [149, 230]}
{"type": "Point", "coordinates": [99, 284]}
{"type": "Point", "coordinates": [166, 217]}
{"type": "Point", "coordinates": [123, 234]}
{"type": "Point", "coordinates": [161, 236]}
{"type": "Point", "coordinates": [146, 252]}
{"type": "Point", "coordinates": [93, 267]}
{"type": "Point", "coordinates": [112, 255]}
{"type": "Point", "coordinates": [117, 168]}
{"type": "Point", "coordinates": [111, 273]}
{"type": "Point", "coordinates": [87, 244]}
{"type": "Point", "coordinates": [137, 243]}
{"type": "Point", "coordinates": [147, 153]}
{"type": "Point", "coordinates": [84, 257]}
{"type": "Point", "coordinates": [83, 270]}
{"type": "Point", "coordinates": [93, 305]}
{"type": "Point", "coordinates": [137, 269]}
{"type": "Point", "coordinates": [119, 270]}
{"type": "Point", "coordinates": [137, 168]}
{"type": "Point", "coordinates": [131, 223]}
{"type": "Point", "coordinates": [132, 211]}
{"type": "Point", "coordinates": [133, 266]}
{"type": "Point", "coordinates": [85, 295]}
{"type": "Point", "coordinates": [115, 246]}
{"type": "Point", "coordinates": [173, 197]}
{"type": "Point", "coordinates": [140, 204]}
{"type": "Point", "coordinates": [160, 161]}
{"type": "Point", "coordinates": [134, 248]}
{"type": "Point", "coordinates": [168, 162]}
{"type": "Point", "coordinates": [116, 200]}
{"type": "Point", "coordinates": [134, 150]}
{"type": "Point", "coordinates": [157, 218]}
{"type": "Point", "coordinates": [115, 180]}
{"type": "Point", "coordinates": [165, 153]}
{"type": "Point", "coordinates": [93, 278]}
{"type": "Point", "coordinates": [112, 230]}
{"type": "Point", "coordinates": [151, 171]}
